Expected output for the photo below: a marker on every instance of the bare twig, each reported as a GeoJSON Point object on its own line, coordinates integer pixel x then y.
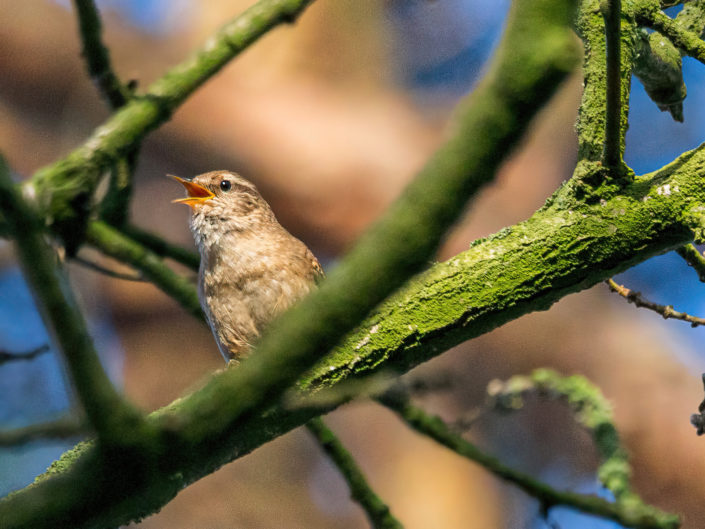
{"type": "Point", "coordinates": [6, 357]}
{"type": "Point", "coordinates": [377, 511]}
{"type": "Point", "coordinates": [666, 311]}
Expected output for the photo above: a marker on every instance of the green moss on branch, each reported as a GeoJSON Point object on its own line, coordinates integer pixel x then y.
{"type": "Point", "coordinates": [64, 190]}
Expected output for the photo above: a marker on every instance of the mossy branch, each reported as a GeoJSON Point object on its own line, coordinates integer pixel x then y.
{"type": "Point", "coordinates": [524, 268]}
{"type": "Point", "coordinates": [612, 151]}
{"type": "Point", "coordinates": [537, 53]}
{"type": "Point", "coordinates": [694, 258]}
{"type": "Point", "coordinates": [97, 56]}
{"type": "Point", "coordinates": [64, 190]}
{"type": "Point", "coordinates": [161, 247]}
{"type": "Point", "coordinates": [592, 118]}
{"type": "Point", "coordinates": [628, 513]}
{"type": "Point", "coordinates": [112, 242]}
{"type": "Point", "coordinates": [590, 408]}
{"type": "Point", "coordinates": [377, 511]}
{"type": "Point", "coordinates": [110, 415]}
{"type": "Point", "coordinates": [689, 42]}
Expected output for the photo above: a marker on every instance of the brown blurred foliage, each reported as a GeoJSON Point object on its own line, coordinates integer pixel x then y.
{"type": "Point", "coordinates": [313, 115]}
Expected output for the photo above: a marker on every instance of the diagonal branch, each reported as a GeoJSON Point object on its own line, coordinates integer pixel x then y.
{"type": "Point", "coordinates": [377, 511]}
{"type": "Point", "coordinates": [113, 243]}
{"type": "Point", "coordinates": [694, 258]}
{"type": "Point", "coordinates": [106, 410]}
{"type": "Point", "coordinates": [688, 41]}
{"type": "Point", "coordinates": [628, 514]}
{"type": "Point", "coordinates": [521, 269]}
{"type": "Point", "coordinates": [537, 53]}
{"type": "Point", "coordinates": [97, 56]}
{"type": "Point", "coordinates": [161, 247]}
{"type": "Point", "coordinates": [64, 189]}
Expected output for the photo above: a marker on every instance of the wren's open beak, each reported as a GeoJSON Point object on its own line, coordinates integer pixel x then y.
{"type": "Point", "coordinates": [197, 194]}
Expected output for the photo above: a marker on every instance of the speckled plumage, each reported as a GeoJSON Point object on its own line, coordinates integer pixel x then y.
{"type": "Point", "coordinates": [251, 267]}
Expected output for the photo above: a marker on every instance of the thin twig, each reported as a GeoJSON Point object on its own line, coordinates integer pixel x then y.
{"type": "Point", "coordinates": [97, 55]}
{"type": "Point", "coordinates": [629, 515]}
{"type": "Point", "coordinates": [63, 428]}
{"type": "Point", "coordinates": [6, 357]}
{"type": "Point", "coordinates": [611, 154]}
{"type": "Point", "coordinates": [162, 247]}
{"type": "Point", "coordinates": [377, 511]}
{"type": "Point", "coordinates": [105, 408]}
{"type": "Point", "coordinates": [694, 258]}
{"type": "Point", "coordinates": [91, 265]}
{"type": "Point", "coordinates": [666, 311]}
{"type": "Point", "coordinates": [115, 244]}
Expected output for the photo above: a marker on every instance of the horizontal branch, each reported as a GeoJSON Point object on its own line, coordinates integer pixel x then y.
{"type": "Point", "coordinates": [630, 514]}
{"type": "Point", "coordinates": [377, 511]}
{"type": "Point", "coordinates": [6, 357]}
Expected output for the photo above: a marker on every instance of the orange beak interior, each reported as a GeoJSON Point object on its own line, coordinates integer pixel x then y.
{"type": "Point", "coordinates": [197, 194]}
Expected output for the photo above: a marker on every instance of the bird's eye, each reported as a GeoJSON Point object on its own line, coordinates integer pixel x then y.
{"type": "Point", "coordinates": [225, 185]}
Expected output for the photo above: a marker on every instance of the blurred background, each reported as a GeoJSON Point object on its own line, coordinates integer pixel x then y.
{"type": "Point", "coordinates": [331, 118]}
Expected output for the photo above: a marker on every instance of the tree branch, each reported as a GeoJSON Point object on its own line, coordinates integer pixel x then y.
{"type": "Point", "coordinates": [628, 514]}
{"type": "Point", "coordinates": [63, 428]}
{"type": "Point", "coordinates": [64, 189]}
{"type": "Point", "coordinates": [97, 55]}
{"type": "Point", "coordinates": [377, 511]}
{"type": "Point", "coordinates": [694, 258]}
{"type": "Point", "coordinates": [162, 247]}
{"type": "Point", "coordinates": [592, 117]}
{"type": "Point", "coordinates": [666, 311]}
{"type": "Point", "coordinates": [6, 357]}
{"type": "Point", "coordinates": [107, 412]}
{"type": "Point", "coordinates": [612, 152]}
{"type": "Point", "coordinates": [590, 409]}
{"type": "Point", "coordinates": [688, 41]}
{"type": "Point", "coordinates": [113, 243]}
{"type": "Point", "coordinates": [537, 53]}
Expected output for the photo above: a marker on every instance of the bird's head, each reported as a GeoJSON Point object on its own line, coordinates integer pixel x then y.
{"type": "Point", "coordinates": [222, 202]}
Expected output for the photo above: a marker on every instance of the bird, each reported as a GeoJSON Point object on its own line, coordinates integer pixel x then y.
{"type": "Point", "coordinates": [252, 268]}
